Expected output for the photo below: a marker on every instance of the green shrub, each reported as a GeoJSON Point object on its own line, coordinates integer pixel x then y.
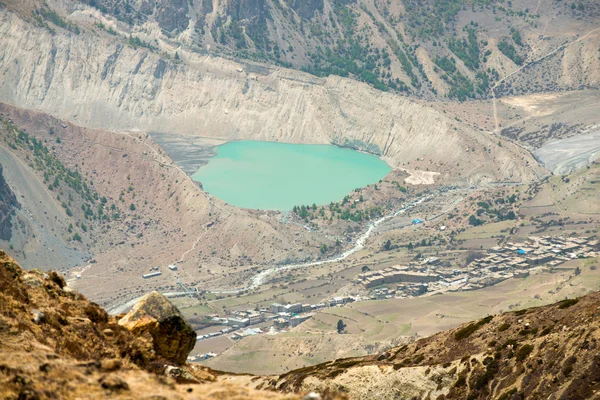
{"type": "Point", "coordinates": [471, 328]}
{"type": "Point", "coordinates": [523, 352]}
{"type": "Point", "coordinates": [504, 327]}
{"type": "Point", "coordinates": [568, 365]}
{"type": "Point", "coordinates": [567, 303]}
{"type": "Point", "coordinates": [546, 331]}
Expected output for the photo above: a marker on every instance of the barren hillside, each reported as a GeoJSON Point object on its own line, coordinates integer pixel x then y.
{"type": "Point", "coordinates": [546, 352]}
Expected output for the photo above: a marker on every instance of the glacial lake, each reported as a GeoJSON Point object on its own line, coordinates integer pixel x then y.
{"type": "Point", "coordinates": [278, 176]}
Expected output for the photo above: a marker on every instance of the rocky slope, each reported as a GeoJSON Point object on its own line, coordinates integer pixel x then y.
{"type": "Point", "coordinates": [455, 49]}
{"type": "Point", "coordinates": [99, 80]}
{"type": "Point", "coordinates": [8, 204]}
{"type": "Point", "coordinates": [549, 352]}
{"type": "Point", "coordinates": [55, 343]}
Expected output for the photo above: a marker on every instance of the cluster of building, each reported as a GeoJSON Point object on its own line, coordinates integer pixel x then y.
{"type": "Point", "coordinates": [403, 290]}
{"type": "Point", "coordinates": [515, 260]}
{"type": "Point", "coordinates": [240, 319]}
{"type": "Point", "coordinates": [280, 316]}
{"type": "Point", "coordinates": [399, 273]}
{"type": "Point", "coordinates": [155, 271]}
{"type": "Point", "coordinates": [500, 263]}
{"type": "Point", "coordinates": [291, 315]}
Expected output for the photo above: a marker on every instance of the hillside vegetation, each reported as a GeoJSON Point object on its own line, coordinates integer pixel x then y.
{"type": "Point", "coordinates": [452, 48]}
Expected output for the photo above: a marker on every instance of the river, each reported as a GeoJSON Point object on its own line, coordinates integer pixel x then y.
{"type": "Point", "coordinates": [260, 278]}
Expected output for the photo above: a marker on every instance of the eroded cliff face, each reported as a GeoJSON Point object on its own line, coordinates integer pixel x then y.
{"type": "Point", "coordinates": [96, 80]}
{"type": "Point", "coordinates": [8, 205]}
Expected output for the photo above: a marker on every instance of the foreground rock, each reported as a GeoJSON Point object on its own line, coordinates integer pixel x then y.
{"type": "Point", "coordinates": [157, 319]}
{"type": "Point", "coordinates": [55, 344]}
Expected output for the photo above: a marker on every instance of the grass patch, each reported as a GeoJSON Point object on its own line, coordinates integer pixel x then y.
{"type": "Point", "coordinates": [523, 352]}
{"type": "Point", "coordinates": [567, 303]}
{"type": "Point", "coordinates": [471, 328]}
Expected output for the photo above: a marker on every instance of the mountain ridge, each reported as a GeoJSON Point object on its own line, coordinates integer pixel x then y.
{"type": "Point", "coordinates": [123, 89]}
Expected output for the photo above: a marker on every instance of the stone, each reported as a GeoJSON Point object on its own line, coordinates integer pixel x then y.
{"type": "Point", "coordinates": [113, 383]}
{"type": "Point", "coordinates": [38, 316]}
{"type": "Point", "coordinates": [312, 396]}
{"type": "Point", "coordinates": [110, 365]}
{"type": "Point", "coordinates": [172, 336]}
{"type": "Point", "coordinates": [180, 375]}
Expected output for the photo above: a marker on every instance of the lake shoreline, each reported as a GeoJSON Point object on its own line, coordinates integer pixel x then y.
{"type": "Point", "coordinates": [250, 168]}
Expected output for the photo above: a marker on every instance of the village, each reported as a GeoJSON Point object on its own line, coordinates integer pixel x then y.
{"type": "Point", "coordinates": [271, 321]}
{"type": "Point", "coordinates": [427, 276]}
{"type": "Point", "coordinates": [513, 260]}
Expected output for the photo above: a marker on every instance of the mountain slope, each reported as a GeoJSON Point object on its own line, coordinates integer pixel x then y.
{"type": "Point", "coordinates": [167, 225]}
{"type": "Point", "coordinates": [48, 333]}
{"type": "Point", "coordinates": [8, 205]}
{"type": "Point", "coordinates": [547, 352]}
{"type": "Point", "coordinates": [97, 80]}
{"type": "Point", "coordinates": [454, 48]}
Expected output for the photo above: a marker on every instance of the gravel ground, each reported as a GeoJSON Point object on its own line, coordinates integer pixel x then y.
{"type": "Point", "coordinates": [565, 155]}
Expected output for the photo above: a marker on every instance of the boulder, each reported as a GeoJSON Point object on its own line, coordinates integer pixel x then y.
{"type": "Point", "coordinates": [180, 375]}
{"type": "Point", "coordinates": [173, 337]}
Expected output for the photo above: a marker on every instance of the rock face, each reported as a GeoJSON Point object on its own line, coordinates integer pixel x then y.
{"type": "Point", "coordinates": [306, 8]}
{"type": "Point", "coordinates": [172, 335]}
{"type": "Point", "coordinates": [247, 9]}
{"type": "Point", "coordinates": [8, 205]}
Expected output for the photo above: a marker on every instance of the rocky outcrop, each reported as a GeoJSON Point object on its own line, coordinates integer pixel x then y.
{"type": "Point", "coordinates": [247, 9]}
{"type": "Point", "coordinates": [8, 205]}
{"type": "Point", "coordinates": [55, 344]}
{"type": "Point", "coordinates": [154, 316]}
{"type": "Point", "coordinates": [171, 15]}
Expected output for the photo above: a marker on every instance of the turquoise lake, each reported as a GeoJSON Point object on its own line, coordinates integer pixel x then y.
{"type": "Point", "coordinates": [278, 176]}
